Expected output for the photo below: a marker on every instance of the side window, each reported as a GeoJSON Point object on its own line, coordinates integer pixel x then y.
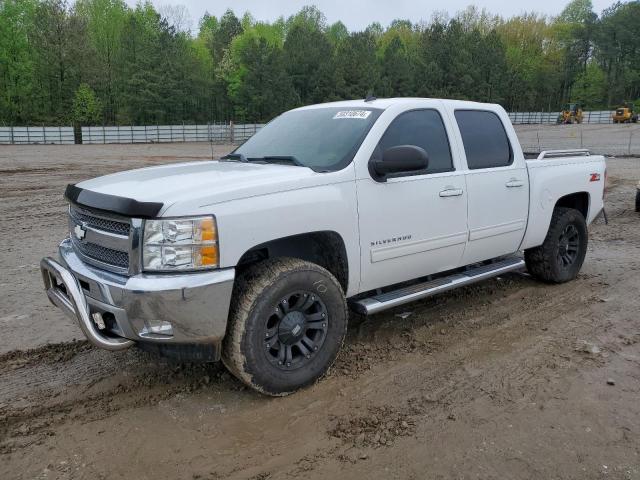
{"type": "Point", "coordinates": [485, 139]}
{"type": "Point", "coordinates": [422, 128]}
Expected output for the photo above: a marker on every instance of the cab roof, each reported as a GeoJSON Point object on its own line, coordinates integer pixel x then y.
{"type": "Point", "coordinates": [384, 103]}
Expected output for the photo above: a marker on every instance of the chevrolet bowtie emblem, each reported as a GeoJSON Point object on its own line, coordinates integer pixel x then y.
{"type": "Point", "coordinates": [80, 231]}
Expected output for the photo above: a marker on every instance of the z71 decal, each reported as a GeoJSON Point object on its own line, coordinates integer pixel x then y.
{"type": "Point", "coordinates": [595, 177]}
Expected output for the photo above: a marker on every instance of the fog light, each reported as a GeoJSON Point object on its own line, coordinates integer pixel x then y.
{"type": "Point", "coordinates": [159, 328]}
{"type": "Point", "coordinates": [99, 321]}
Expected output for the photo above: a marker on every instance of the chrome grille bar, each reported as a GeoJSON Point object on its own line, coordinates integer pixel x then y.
{"type": "Point", "coordinates": [99, 222]}
{"type": "Point", "coordinates": [103, 240]}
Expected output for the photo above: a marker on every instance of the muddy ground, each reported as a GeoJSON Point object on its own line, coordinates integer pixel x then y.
{"type": "Point", "coordinates": [507, 379]}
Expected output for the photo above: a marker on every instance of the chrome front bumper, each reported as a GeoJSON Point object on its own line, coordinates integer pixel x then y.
{"type": "Point", "coordinates": [177, 309]}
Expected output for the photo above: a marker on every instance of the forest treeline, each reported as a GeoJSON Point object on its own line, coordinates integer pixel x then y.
{"type": "Point", "coordinates": [103, 62]}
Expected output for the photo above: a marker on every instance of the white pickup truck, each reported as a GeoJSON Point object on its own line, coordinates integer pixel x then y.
{"type": "Point", "coordinates": [371, 204]}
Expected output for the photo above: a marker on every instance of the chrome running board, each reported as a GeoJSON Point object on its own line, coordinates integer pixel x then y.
{"type": "Point", "coordinates": [383, 301]}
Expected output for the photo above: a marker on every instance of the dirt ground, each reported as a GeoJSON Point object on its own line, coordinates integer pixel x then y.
{"type": "Point", "coordinates": [507, 379]}
{"type": "Point", "coordinates": [603, 139]}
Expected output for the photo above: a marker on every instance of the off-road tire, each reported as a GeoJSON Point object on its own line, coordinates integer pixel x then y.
{"type": "Point", "coordinates": [638, 200]}
{"type": "Point", "coordinates": [256, 292]}
{"type": "Point", "coordinates": [544, 262]}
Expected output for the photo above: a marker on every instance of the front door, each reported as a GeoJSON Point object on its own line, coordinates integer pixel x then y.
{"type": "Point", "coordinates": [413, 224]}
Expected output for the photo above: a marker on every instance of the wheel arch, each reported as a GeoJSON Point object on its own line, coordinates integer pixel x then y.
{"type": "Point", "coordinates": [540, 214]}
{"type": "Point", "coordinates": [324, 248]}
{"type": "Point", "coordinates": [579, 201]}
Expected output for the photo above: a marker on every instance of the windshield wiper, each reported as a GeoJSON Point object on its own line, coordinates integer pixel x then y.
{"type": "Point", "coordinates": [287, 159]}
{"type": "Point", "coordinates": [235, 156]}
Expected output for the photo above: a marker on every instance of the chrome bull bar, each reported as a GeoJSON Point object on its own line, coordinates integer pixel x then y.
{"type": "Point", "coordinates": [73, 303]}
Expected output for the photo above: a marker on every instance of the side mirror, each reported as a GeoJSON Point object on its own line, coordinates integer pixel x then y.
{"type": "Point", "coordinates": [400, 159]}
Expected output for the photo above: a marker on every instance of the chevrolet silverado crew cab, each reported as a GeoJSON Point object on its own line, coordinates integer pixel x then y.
{"type": "Point", "coordinates": [256, 258]}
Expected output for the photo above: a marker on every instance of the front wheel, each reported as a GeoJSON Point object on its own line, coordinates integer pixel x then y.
{"type": "Point", "coordinates": [560, 257]}
{"type": "Point", "coordinates": [287, 324]}
{"type": "Point", "coordinates": [638, 200]}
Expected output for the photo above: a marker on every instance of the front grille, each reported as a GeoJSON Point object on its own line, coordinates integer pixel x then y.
{"type": "Point", "coordinates": [100, 223]}
{"type": "Point", "coordinates": [103, 254]}
{"type": "Point", "coordinates": [101, 239]}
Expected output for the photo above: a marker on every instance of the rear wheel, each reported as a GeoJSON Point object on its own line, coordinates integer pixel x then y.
{"type": "Point", "coordinates": [287, 324]}
{"type": "Point", "coordinates": [562, 253]}
{"type": "Point", "coordinates": [638, 200]}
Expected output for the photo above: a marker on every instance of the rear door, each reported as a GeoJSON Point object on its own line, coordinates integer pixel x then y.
{"type": "Point", "coordinates": [413, 224]}
{"type": "Point", "coordinates": [497, 185]}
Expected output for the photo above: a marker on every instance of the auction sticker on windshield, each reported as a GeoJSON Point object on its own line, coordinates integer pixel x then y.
{"type": "Point", "coordinates": [362, 114]}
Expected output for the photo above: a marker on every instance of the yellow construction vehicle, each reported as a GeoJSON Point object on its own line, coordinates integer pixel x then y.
{"type": "Point", "coordinates": [625, 114]}
{"type": "Point", "coordinates": [571, 113]}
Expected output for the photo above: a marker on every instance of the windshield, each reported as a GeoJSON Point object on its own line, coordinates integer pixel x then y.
{"type": "Point", "coordinates": [324, 139]}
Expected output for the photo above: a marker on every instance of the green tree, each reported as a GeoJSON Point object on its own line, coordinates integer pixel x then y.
{"type": "Point", "coordinates": [618, 50]}
{"type": "Point", "coordinates": [105, 23]}
{"type": "Point", "coordinates": [589, 87]}
{"type": "Point", "coordinates": [309, 56]}
{"type": "Point", "coordinates": [229, 27]}
{"type": "Point", "coordinates": [337, 32]}
{"type": "Point", "coordinates": [258, 84]}
{"type": "Point", "coordinates": [147, 67]}
{"type": "Point", "coordinates": [533, 58]}
{"type": "Point", "coordinates": [574, 29]}
{"type": "Point", "coordinates": [18, 82]}
{"type": "Point", "coordinates": [87, 109]}
{"type": "Point", "coordinates": [62, 58]}
{"type": "Point", "coordinates": [396, 69]}
{"type": "Point", "coordinates": [356, 72]}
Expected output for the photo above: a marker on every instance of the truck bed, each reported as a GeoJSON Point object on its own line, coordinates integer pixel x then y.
{"type": "Point", "coordinates": [555, 174]}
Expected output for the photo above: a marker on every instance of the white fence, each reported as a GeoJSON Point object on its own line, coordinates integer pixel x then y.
{"type": "Point", "coordinates": [522, 118]}
{"type": "Point", "coordinates": [217, 133]}
{"type": "Point", "coordinates": [213, 132]}
{"type": "Point", "coordinates": [36, 135]}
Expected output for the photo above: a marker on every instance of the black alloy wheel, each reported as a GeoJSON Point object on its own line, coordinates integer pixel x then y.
{"type": "Point", "coordinates": [296, 330]}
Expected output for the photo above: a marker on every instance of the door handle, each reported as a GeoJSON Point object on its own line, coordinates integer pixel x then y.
{"type": "Point", "coordinates": [514, 183]}
{"type": "Point", "coordinates": [451, 192]}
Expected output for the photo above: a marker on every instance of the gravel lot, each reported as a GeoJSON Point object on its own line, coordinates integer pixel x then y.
{"type": "Point", "coordinates": [507, 379]}
{"type": "Point", "coordinates": [619, 140]}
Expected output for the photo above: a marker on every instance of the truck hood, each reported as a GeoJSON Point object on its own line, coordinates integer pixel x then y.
{"type": "Point", "coordinates": [203, 183]}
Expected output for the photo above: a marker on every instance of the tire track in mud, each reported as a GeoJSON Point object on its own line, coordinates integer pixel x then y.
{"type": "Point", "coordinates": [441, 384]}
{"type": "Point", "coordinates": [59, 352]}
{"type": "Point", "coordinates": [61, 383]}
{"type": "Point", "coordinates": [102, 383]}
{"type": "Point", "coordinates": [569, 307]}
{"type": "Point", "coordinates": [75, 382]}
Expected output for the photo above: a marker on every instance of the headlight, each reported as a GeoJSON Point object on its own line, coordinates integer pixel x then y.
{"type": "Point", "coordinates": [180, 244]}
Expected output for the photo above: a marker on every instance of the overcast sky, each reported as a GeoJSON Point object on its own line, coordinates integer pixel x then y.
{"type": "Point", "coordinates": [357, 14]}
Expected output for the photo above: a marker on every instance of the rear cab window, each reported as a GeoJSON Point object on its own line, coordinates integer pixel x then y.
{"type": "Point", "coordinates": [423, 128]}
{"type": "Point", "coordinates": [485, 139]}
